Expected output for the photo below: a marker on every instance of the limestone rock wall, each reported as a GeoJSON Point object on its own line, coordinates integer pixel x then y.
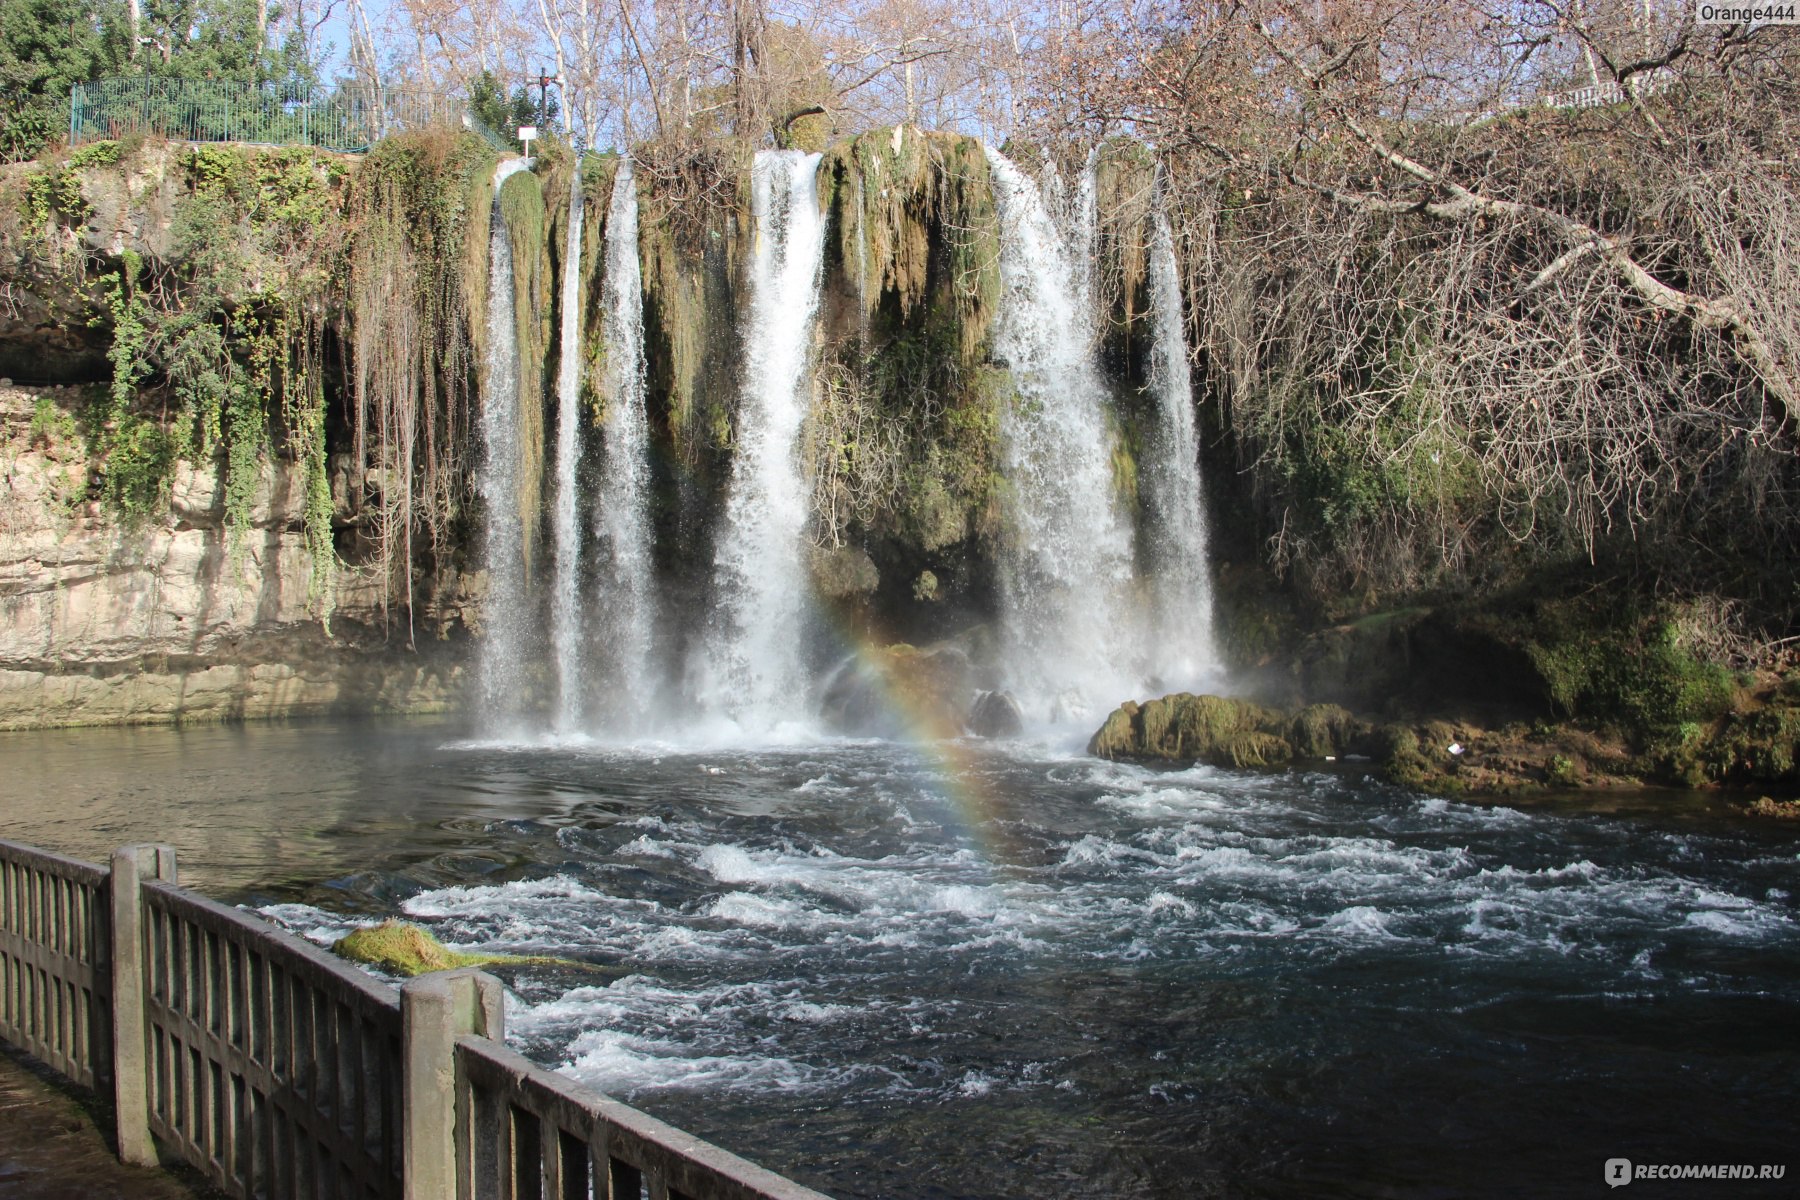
{"type": "Point", "coordinates": [169, 620]}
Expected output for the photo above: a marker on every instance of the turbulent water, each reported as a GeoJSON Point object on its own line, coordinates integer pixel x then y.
{"type": "Point", "coordinates": [625, 595]}
{"type": "Point", "coordinates": [752, 667]}
{"type": "Point", "coordinates": [1008, 971]}
{"type": "Point", "coordinates": [1180, 578]}
{"type": "Point", "coordinates": [566, 638]}
{"type": "Point", "coordinates": [506, 613]}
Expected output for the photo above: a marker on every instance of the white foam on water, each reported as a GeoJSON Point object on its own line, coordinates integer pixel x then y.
{"type": "Point", "coordinates": [1163, 903]}
{"type": "Point", "coordinates": [1472, 814]}
{"type": "Point", "coordinates": [1243, 918]}
{"type": "Point", "coordinates": [1361, 921]}
{"type": "Point", "coordinates": [314, 924]}
{"type": "Point", "coordinates": [769, 912]}
{"type": "Point", "coordinates": [808, 1013]}
{"type": "Point", "coordinates": [1170, 802]}
{"type": "Point", "coordinates": [627, 1066]}
{"type": "Point", "coordinates": [975, 1083]}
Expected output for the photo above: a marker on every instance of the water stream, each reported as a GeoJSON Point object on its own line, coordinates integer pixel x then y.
{"type": "Point", "coordinates": [625, 593]}
{"type": "Point", "coordinates": [506, 618]}
{"type": "Point", "coordinates": [1073, 642]}
{"type": "Point", "coordinates": [752, 668]}
{"type": "Point", "coordinates": [567, 642]}
{"type": "Point", "coordinates": [1180, 575]}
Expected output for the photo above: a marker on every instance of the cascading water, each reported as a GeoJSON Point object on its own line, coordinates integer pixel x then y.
{"type": "Point", "coordinates": [752, 664]}
{"type": "Point", "coordinates": [1071, 641]}
{"type": "Point", "coordinates": [1181, 585]}
{"type": "Point", "coordinates": [624, 598]}
{"type": "Point", "coordinates": [506, 612]}
{"type": "Point", "coordinates": [1077, 215]}
{"type": "Point", "coordinates": [565, 597]}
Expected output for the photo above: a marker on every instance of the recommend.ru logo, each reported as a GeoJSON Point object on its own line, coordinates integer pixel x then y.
{"type": "Point", "coordinates": [1621, 1171]}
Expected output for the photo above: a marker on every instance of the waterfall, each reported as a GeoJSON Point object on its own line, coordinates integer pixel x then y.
{"type": "Point", "coordinates": [506, 613]}
{"type": "Point", "coordinates": [624, 599]}
{"type": "Point", "coordinates": [1071, 641]}
{"type": "Point", "coordinates": [753, 657]}
{"type": "Point", "coordinates": [565, 602]}
{"type": "Point", "coordinates": [1077, 216]}
{"type": "Point", "coordinates": [1181, 586]}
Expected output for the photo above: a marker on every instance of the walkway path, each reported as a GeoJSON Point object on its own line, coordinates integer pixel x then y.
{"type": "Point", "coordinates": [51, 1149]}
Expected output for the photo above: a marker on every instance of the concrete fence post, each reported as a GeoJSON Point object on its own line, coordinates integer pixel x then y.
{"type": "Point", "coordinates": [435, 1010]}
{"type": "Point", "coordinates": [131, 1097]}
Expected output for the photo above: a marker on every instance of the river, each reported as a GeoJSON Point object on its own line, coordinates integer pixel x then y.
{"type": "Point", "coordinates": [1008, 970]}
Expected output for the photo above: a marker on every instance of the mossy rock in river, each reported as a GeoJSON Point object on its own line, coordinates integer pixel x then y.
{"type": "Point", "coordinates": [402, 948]}
{"type": "Point", "coordinates": [1188, 728]}
{"type": "Point", "coordinates": [1325, 730]}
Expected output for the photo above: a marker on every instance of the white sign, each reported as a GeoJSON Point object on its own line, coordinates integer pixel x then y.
{"type": "Point", "coordinates": [527, 132]}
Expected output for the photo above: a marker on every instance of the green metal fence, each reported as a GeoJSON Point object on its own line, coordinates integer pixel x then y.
{"type": "Point", "coordinates": [350, 118]}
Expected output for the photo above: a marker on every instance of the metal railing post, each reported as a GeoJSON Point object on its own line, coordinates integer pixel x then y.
{"type": "Point", "coordinates": [130, 866]}
{"type": "Point", "coordinates": [435, 1010]}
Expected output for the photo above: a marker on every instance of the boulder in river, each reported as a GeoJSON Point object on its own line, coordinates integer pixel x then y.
{"type": "Point", "coordinates": [1188, 728]}
{"type": "Point", "coordinates": [901, 691]}
{"type": "Point", "coordinates": [996, 715]}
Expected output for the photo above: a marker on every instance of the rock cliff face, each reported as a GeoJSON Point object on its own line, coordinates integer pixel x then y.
{"type": "Point", "coordinates": [168, 619]}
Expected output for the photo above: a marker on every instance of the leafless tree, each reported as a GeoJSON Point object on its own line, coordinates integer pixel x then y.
{"type": "Point", "coordinates": [1445, 283]}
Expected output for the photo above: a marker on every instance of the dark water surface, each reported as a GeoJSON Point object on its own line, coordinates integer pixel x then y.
{"type": "Point", "coordinates": [983, 971]}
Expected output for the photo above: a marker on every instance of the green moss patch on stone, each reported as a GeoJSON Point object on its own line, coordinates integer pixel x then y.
{"type": "Point", "coordinates": [402, 948]}
{"type": "Point", "coordinates": [1189, 728]}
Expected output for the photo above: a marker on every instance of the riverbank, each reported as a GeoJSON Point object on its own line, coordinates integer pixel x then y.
{"type": "Point", "coordinates": [1562, 686]}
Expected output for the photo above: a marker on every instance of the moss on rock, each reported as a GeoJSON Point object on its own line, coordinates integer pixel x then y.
{"type": "Point", "coordinates": [402, 948]}
{"type": "Point", "coordinates": [899, 199]}
{"type": "Point", "coordinates": [1187, 728]}
{"type": "Point", "coordinates": [1324, 730]}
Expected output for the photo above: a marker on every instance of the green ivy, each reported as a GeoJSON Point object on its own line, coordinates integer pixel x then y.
{"type": "Point", "coordinates": [54, 194]}
{"type": "Point", "coordinates": [140, 460]}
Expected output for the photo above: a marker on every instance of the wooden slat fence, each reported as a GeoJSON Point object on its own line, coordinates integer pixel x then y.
{"type": "Point", "coordinates": [273, 1067]}
{"type": "Point", "coordinates": [534, 1135]}
{"type": "Point", "coordinates": [279, 1071]}
{"type": "Point", "coordinates": [56, 961]}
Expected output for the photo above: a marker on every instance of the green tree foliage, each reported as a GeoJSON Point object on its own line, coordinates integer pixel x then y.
{"type": "Point", "coordinates": [503, 113]}
{"type": "Point", "coordinates": [205, 39]}
{"type": "Point", "coordinates": [46, 47]}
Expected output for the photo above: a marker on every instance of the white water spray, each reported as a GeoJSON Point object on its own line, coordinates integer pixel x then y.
{"type": "Point", "coordinates": [505, 614]}
{"type": "Point", "coordinates": [1076, 212]}
{"type": "Point", "coordinates": [752, 664]}
{"type": "Point", "coordinates": [1181, 585]}
{"type": "Point", "coordinates": [565, 597]}
{"type": "Point", "coordinates": [1072, 643]}
{"type": "Point", "coordinates": [624, 597]}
